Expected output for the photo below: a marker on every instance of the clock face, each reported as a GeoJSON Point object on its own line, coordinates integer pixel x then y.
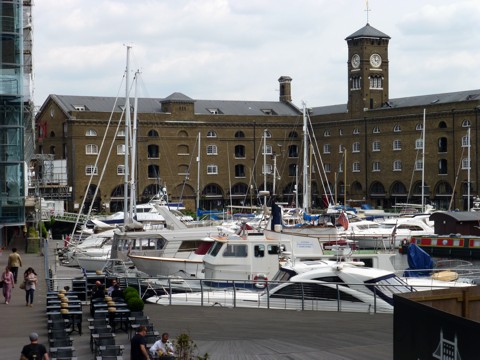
{"type": "Point", "coordinates": [356, 61]}
{"type": "Point", "coordinates": [375, 60]}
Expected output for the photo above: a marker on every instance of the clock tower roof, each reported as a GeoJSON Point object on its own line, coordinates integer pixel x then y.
{"type": "Point", "coordinates": [368, 32]}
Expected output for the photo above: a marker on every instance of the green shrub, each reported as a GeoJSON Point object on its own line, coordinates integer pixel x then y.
{"type": "Point", "coordinates": [135, 304]}
{"type": "Point", "coordinates": [187, 349]}
{"type": "Point", "coordinates": [129, 290]}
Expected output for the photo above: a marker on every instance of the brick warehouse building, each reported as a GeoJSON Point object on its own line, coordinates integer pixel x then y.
{"type": "Point", "coordinates": [381, 138]}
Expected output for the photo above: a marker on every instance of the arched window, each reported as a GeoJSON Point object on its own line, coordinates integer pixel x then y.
{"type": "Point", "coordinates": [267, 134]}
{"type": "Point", "coordinates": [397, 128]}
{"type": "Point", "coordinates": [326, 133]}
{"type": "Point", "coordinates": [90, 132]}
{"type": "Point", "coordinates": [356, 131]}
{"type": "Point", "coordinates": [419, 127]}
{"type": "Point", "coordinates": [376, 130]}
{"type": "Point", "coordinates": [442, 125]}
{"type": "Point", "coordinates": [466, 123]}
{"type": "Point", "coordinates": [153, 152]}
{"type": "Point", "coordinates": [52, 134]}
{"type": "Point", "coordinates": [121, 133]}
{"type": "Point", "coordinates": [211, 134]}
{"type": "Point", "coordinates": [182, 133]}
{"type": "Point", "coordinates": [239, 134]}
{"type": "Point", "coordinates": [292, 135]}
{"type": "Point", "coordinates": [152, 133]}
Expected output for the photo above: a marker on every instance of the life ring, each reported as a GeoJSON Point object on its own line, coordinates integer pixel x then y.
{"type": "Point", "coordinates": [260, 281]}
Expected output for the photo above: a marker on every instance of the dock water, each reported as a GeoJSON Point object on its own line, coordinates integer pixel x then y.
{"type": "Point", "coordinates": [223, 333]}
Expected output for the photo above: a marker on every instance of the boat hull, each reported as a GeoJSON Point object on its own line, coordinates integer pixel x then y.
{"type": "Point", "coordinates": [446, 245]}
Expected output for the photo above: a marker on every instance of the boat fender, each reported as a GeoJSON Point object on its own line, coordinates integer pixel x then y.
{"type": "Point", "coordinates": [260, 281]}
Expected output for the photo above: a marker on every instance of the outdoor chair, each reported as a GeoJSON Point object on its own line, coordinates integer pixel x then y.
{"type": "Point", "coordinates": [57, 343]}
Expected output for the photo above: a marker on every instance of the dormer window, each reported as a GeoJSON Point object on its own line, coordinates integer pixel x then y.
{"type": "Point", "coordinates": [268, 111]}
{"type": "Point", "coordinates": [80, 107]}
{"type": "Point", "coordinates": [214, 111]}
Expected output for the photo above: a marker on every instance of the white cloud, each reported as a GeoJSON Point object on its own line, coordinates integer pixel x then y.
{"type": "Point", "coordinates": [237, 49]}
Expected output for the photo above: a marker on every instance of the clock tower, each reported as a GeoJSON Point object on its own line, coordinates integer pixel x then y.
{"type": "Point", "coordinates": [367, 70]}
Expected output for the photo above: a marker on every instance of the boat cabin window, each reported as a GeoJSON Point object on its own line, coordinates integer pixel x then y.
{"type": "Point", "coordinates": [259, 251]}
{"type": "Point", "coordinates": [282, 275]}
{"type": "Point", "coordinates": [235, 251]}
{"type": "Point", "coordinates": [203, 247]}
{"type": "Point", "coordinates": [331, 279]}
{"type": "Point", "coordinates": [149, 244]}
{"type": "Point", "coordinates": [313, 291]}
{"type": "Point", "coordinates": [275, 249]}
{"type": "Point", "coordinates": [215, 248]}
{"type": "Point", "coordinates": [388, 285]}
{"type": "Point", "coordinates": [190, 245]}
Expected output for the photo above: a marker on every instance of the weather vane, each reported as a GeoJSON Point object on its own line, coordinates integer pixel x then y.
{"type": "Point", "coordinates": [367, 10]}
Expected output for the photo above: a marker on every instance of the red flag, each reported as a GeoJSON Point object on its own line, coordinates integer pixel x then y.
{"type": "Point", "coordinates": [343, 220]}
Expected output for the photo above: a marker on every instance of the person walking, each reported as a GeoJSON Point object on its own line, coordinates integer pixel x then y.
{"type": "Point", "coordinates": [138, 348]}
{"type": "Point", "coordinates": [8, 284]}
{"type": "Point", "coordinates": [34, 350]}
{"type": "Point", "coordinates": [14, 262]}
{"type": "Point", "coordinates": [30, 278]}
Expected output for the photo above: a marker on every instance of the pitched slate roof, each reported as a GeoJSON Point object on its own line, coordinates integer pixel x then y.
{"type": "Point", "coordinates": [69, 103]}
{"type": "Point", "coordinates": [368, 32]}
{"type": "Point", "coordinates": [421, 100]}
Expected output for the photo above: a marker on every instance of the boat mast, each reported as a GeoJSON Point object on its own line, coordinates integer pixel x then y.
{"type": "Point", "coordinates": [127, 132]}
{"type": "Point", "coordinates": [133, 187]}
{"type": "Point", "coordinates": [423, 162]}
{"type": "Point", "coordinates": [198, 176]}
{"type": "Point", "coordinates": [305, 159]}
{"type": "Point", "coordinates": [265, 167]}
{"type": "Point", "coordinates": [468, 170]}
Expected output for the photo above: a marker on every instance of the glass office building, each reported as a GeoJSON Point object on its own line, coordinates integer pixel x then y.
{"type": "Point", "coordinates": [12, 162]}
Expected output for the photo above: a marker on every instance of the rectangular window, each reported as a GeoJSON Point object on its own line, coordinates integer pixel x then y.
{"type": "Point", "coordinates": [121, 170]}
{"type": "Point", "coordinates": [212, 169]}
{"type": "Point", "coordinates": [326, 148]}
{"type": "Point", "coordinates": [397, 165]}
{"type": "Point", "coordinates": [356, 167]}
{"type": "Point", "coordinates": [267, 169]}
{"type": "Point", "coordinates": [418, 165]}
{"type": "Point", "coordinates": [376, 146]}
{"type": "Point", "coordinates": [465, 164]}
{"type": "Point", "coordinates": [397, 145]}
{"type": "Point", "coordinates": [91, 170]}
{"type": "Point", "coordinates": [121, 149]}
{"type": "Point", "coordinates": [212, 150]}
{"type": "Point", "coordinates": [418, 144]}
{"type": "Point", "coordinates": [356, 147]}
{"type": "Point", "coordinates": [91, 149]}
{"type": "Point", "coordinates": [376, 166]}
{"type": "Point", "coordinates": [327, 167]}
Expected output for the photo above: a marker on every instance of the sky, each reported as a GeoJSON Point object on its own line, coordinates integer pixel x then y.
{"type": "Point", "coordinates": [237, 49]}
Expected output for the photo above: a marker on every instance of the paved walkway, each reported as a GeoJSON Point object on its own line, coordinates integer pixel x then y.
{"type": "Point", "coordinates": [225, 333]}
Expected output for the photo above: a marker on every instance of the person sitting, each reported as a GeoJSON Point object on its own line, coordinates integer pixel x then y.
{"type": "Point", "coordinates": [117, 292]}
{"type": "Point", "coordinates": [98, 291]}
{"type": "Point", "coordinates": [163, 348]}
{"type": "Point", "coordinates": [112, 287]}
